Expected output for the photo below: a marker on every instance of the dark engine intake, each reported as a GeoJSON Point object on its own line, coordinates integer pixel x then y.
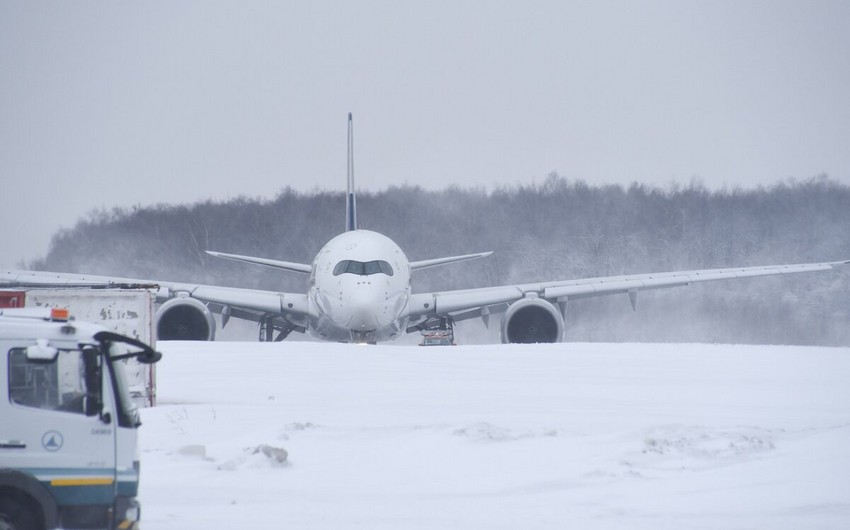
{"type": "Point", "coordinates": [532, 320]}
{"type": "Point", "coordinates": [184, 318]}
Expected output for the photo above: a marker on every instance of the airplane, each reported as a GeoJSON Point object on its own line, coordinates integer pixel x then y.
{"type": "Point", "coordinates": [359, 291]}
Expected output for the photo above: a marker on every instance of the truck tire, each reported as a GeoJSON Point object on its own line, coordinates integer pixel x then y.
{"type": "Point", "coordinates": [15, 515]}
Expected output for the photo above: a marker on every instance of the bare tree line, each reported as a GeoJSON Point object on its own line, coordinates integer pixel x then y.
{"type": "Point", "coordinates": [559, 229]}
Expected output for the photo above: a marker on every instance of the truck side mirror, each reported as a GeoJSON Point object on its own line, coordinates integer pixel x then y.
{"type": "Point", "coordinates": [41, 352]}
{"type": "Point", "coordinates": [147, 355]}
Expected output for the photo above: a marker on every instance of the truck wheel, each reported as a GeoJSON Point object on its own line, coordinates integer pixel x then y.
{"type": "Point", "coordinates": [17, 516]}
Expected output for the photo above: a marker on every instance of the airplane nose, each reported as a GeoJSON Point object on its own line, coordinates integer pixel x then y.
{"type": "Point", "coordinates": [372, 308]}
{"type": "Point", "coordinates": [361, 306]}
{"type": "Point", "coordinates": [365, 309]}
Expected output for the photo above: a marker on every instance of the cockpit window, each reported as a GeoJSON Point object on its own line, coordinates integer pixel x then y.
{"type": "Point", "coordinates": [362, 269]}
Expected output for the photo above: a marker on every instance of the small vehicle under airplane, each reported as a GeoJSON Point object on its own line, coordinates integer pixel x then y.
{"type": "Point", "coordinates": [359, 291]}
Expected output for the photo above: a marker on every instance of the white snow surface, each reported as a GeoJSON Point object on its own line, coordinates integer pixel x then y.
{"type": "Point", "coordinates": [332, 436]}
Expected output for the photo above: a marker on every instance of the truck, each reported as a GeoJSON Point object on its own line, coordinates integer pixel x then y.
{"type": "Point", "coordinates": [437, 338]}
{"type": "Point", "coordinates": [125, 309]}
{"type": "Point", "coordinates": [69, 453]}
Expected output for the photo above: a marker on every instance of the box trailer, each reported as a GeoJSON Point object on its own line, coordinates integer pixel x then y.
{"type": "Point", "coordinates": [128, 311]}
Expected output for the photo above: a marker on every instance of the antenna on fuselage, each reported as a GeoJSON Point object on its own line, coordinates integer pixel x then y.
{"type": "Point", "coordinates": [350, 202]}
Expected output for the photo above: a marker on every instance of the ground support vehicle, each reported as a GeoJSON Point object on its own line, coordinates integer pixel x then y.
{"type": "Point", "coordinates": [440, 333]}
{"type": "Point", "coordinates": [125, 309]}
{"type": "Point", "coordinates": [437, 338]}
{"type": "Point", "coordinates": [69, 455]}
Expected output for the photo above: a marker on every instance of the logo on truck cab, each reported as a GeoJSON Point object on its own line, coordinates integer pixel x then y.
{"type": "Point", "coordinates": [52, 441]}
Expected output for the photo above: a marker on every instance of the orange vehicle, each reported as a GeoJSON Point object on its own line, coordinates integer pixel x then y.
{"type": "Point", "coordinates": [437, 338]}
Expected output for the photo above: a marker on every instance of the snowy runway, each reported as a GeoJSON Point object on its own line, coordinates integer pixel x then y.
{"type": "Point", "coordinates": [544, 436]}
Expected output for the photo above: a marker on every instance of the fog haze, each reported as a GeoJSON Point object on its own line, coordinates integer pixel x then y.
{"type": "Point", "coordinates": [108, 105]}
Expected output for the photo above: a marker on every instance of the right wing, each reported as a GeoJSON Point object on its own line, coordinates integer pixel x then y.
{"type": "Point", "coordinates": [249, 304]}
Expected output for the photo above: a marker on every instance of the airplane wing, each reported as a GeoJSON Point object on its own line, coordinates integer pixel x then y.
{"type": "Point", "coordinates": [471, 303]}
{"type": "Point", "coordinates": [248, 304]}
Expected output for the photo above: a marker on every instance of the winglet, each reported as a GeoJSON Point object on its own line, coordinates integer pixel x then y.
{"type": "Point", "coordinates": [350, 202]}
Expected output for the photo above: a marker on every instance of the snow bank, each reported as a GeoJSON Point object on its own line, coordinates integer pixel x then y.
{"type": "Point", "coordinates": [310, 435]}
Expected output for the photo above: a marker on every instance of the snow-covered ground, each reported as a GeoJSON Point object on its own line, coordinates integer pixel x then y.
{"type": "Point", "coordinates": [515, 437]}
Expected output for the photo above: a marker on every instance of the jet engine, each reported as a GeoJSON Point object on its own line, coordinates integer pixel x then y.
{"type": "Point", "coordinates": [184, 318]}
{"type": "Point", "coordinates": [532, 320]}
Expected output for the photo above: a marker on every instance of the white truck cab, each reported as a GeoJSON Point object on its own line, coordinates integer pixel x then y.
{"type": "Point", "coordinates": [69, 456]}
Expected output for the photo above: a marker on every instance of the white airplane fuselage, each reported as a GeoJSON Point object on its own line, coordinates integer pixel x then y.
{"type": "Point", "coordinates": [359, 289]}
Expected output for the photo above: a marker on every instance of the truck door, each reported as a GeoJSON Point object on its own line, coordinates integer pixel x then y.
{"type": "Point", "coordinates": [64, 432]}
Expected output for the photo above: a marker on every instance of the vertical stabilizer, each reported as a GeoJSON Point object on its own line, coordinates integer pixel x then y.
{"type": "Point", "coordinates": [350, 202]}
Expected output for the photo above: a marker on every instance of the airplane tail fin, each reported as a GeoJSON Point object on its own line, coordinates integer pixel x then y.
{"type": "Point", "coordinates": [350, 201]}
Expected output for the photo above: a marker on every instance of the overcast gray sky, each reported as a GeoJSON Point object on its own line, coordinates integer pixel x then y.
{"type": "Point", "coordinates": [107, 104]}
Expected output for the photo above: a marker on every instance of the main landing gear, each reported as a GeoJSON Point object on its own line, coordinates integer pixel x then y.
{"type": "Point", "coordinates": [270, 323]}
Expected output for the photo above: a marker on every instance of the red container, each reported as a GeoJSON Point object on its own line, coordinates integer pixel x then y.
{"type": "Point", "coordinates": [12, 298]}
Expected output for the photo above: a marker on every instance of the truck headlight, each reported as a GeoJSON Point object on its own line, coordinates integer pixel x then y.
{"type": "Point", "coordinates": [132, 513]}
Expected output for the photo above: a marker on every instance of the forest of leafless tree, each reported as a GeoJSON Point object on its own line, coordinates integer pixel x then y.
{"type": "Point", "coordinates": [559, 229]}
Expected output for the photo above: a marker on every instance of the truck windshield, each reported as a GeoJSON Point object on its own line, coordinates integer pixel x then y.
{"type": "Point", "coordinates": [70, 383]}
{"type": "Point", "coordinates": [60, 385]}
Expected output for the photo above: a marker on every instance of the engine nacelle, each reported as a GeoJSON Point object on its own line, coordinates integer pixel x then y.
{"type": "Point", "coordinates": [184, 318]}
{"type": "Point", "coordinates": [532, 320]}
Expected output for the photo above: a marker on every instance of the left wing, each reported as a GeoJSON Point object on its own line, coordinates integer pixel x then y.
{"type": "Point", "coordinates": [470, 303]}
